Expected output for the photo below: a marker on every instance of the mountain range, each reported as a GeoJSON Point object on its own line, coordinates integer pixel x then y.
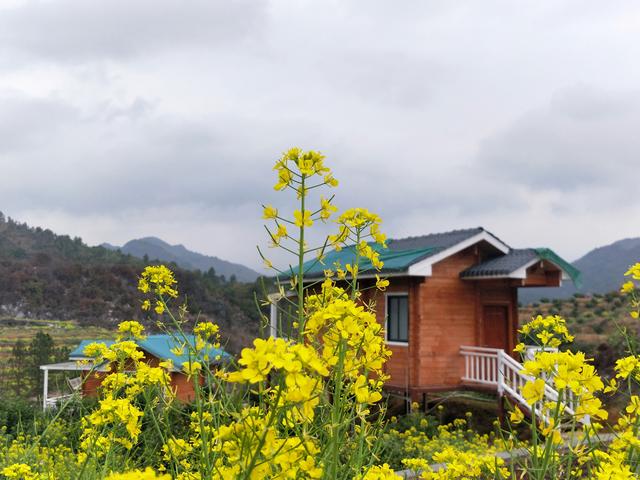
{"type": "Point", "coordinates": [156, 249]}
{"type": "Point", "coordinates": [602, 272]}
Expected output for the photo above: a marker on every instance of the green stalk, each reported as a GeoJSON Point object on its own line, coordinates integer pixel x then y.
{"type": "Point", "coordinates": [301, 319]}
{"type": "Point", "coordinates": [546, 454]}
{"type": "Point", "coordinates": [354, 284]}
{"type": "Point", "coordinates": [263, 437]}
{"type": "Point", "coordinates": [336, 417]}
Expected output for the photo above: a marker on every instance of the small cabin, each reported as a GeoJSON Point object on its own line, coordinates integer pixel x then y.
{"type": "Point", "coordinates": [156, 349]}
{"type": "Point", "coordinates": [450, 311]}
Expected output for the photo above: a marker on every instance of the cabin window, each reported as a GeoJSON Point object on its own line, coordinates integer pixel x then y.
{"type": "Point", "coordinates": [398, 318]}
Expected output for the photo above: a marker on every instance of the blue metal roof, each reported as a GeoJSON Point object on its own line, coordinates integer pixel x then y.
{"type": "Point", "coordinates": [160, 346]}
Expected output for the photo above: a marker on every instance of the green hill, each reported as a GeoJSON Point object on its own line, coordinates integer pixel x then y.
{"type": "Point", "coordinates": [46, 276]}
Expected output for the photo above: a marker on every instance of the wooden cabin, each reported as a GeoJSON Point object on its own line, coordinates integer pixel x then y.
{"type": "Point", "coordinates": [156, 348]}
{"type": "Point", "coordinates": [451, 306]}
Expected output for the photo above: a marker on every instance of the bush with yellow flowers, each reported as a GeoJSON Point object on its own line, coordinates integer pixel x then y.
{"type": "Point", "coordinates": [426, 443]}
{"type": "Point", "coordinates": [299, 404]}
{"type": "Point", "coordinates": [305, 402]}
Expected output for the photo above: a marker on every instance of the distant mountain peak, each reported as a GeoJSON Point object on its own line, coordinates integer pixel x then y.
{"type": "Point", "coordinates": [157, 249]}
{"type": "Point", "coordinates": [151, 240]}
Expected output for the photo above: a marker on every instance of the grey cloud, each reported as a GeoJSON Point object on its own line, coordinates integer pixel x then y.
{"type": "Point", "coordinates": [390, 78]}
{"type": "Point", "coordinates": [584, 102]}
{"type": "Point", "coordinates": [584, 138]}
{"type": "Point", "coordinates": [164, 117]}
{"type": "Point", "coordinates": [78, 30]}
{"type": "Point", "coordinates": [118, 161]}
{"type": "Point", "coordinates": [27, 122]}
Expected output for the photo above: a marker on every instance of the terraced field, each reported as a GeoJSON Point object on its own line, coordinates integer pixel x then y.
{"type": "Point", "coordinates": [64, 333]}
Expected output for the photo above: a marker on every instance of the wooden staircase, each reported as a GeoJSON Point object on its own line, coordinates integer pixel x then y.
{"type": "Point", "coordinates": [494, 368]}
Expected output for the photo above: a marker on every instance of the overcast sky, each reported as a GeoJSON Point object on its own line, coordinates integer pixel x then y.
{"type": "Point", "coordinates": [128, 118]}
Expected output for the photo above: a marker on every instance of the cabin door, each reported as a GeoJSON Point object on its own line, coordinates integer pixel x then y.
{"type": "Point", "coordinates": [495, 319]}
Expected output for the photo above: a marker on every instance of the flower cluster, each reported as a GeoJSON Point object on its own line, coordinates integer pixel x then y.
{"type": "Point", "coordinates": [550, 331]}
{"type": "Point", "coordinates": [462, 464]}
{"type": "Point", "coordinates": [630, 288]}
{"type": "Point", "coordinates": [295, 165]}
{"type": "Point", "coordinates": [207, 335]}
{"type": "Point", "coordinates": [628, 367]}
{"type": "Point", "coordinates": [572, 375]}
{"type": "Point", "coordinates": [348, 333]}
{"type": "Point", "coordinates": [381, 472]}
{"type": "Point", "coordinates": [272, 454]}
{"type": "Point", "coordinates": [465, 453]}
{"type": "Point", "coordinates": [159, 281]}
{"type": "Point", "coordinates": [117, 420]}
{"type": "Point", "coordinates": [130, 329]}
{"type": "Point", "coordinates": [303, 370]}
{"type": "Point", "coordinates": [146, 474]}
{"type": "Point", "coordinates": [23, 457]}
{"type": "Point", "coordinates": [19, 471]}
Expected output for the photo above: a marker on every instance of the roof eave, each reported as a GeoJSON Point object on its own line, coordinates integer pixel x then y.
{"type": "Point", "coordinates": [424, 268]}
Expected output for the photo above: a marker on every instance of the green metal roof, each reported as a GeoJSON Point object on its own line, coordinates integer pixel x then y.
{"type": "Point", "coordinates": [573, 272]}
{"type": "Point", "coordinates": [394, 260]}
{"type": "Point", "coordinates": [403, 253]}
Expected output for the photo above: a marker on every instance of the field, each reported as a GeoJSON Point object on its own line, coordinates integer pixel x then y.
{"type": "Point", "coordinates": [595, 320]}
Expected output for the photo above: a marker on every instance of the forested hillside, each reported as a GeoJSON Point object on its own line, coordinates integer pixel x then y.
{"type": "Point", "coordinates": [49, 276]}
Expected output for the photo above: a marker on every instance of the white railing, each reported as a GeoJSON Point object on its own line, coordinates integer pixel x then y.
{"type": "Point", "coordinates": [480, 365]}
{"type": "Point", "coordinates": [493, 367]}
{"type": "Point", "coordinates": [51, 402]}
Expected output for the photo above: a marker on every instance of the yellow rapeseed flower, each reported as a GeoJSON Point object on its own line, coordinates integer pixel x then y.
{"type": "Point", "coordinates": [159, 279]}
{"type": "Point", "coordinates": [381, 283]}
{"type": "Point", "coordinates": [627, 287]}
{"type": "Point", "coordinates": [269, 212]}
{"type": "Point", "coordinates": [147, 474]}
{"type": "Point", "coordinates": [302, 218]}
{"type": "Point", "coordinates": [192, 368]}
{"type": "Point", "coordinates": [516, 416]}
{"type": "Point", "coordinates": [131, 328]}
{"type": "Point", "coordinates": [533, 391]}
{"type": "Point", "coordinates": [19, 471]}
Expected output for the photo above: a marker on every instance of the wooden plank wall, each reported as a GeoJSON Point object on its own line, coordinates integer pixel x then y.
{"type": "Point", "coordinates": [449, 315]}
{"type": "Point", "coordinates": [445, 312]}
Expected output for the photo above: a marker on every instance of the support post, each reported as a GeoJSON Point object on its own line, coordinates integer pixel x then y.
{"type": "Point", "coordinates": [501, 409]}
{"type": "Point", "coordinates": [273, 314]}
{"type": "Point", "coordinates": [45, 389]}
{"type": "Point", "coordinates": [500, 372]}
{"type": "Point", "coordinates": [500, 365]}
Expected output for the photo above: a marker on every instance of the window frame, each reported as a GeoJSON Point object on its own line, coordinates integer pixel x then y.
{"type": "Point", "coordinates": [401, 343]}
